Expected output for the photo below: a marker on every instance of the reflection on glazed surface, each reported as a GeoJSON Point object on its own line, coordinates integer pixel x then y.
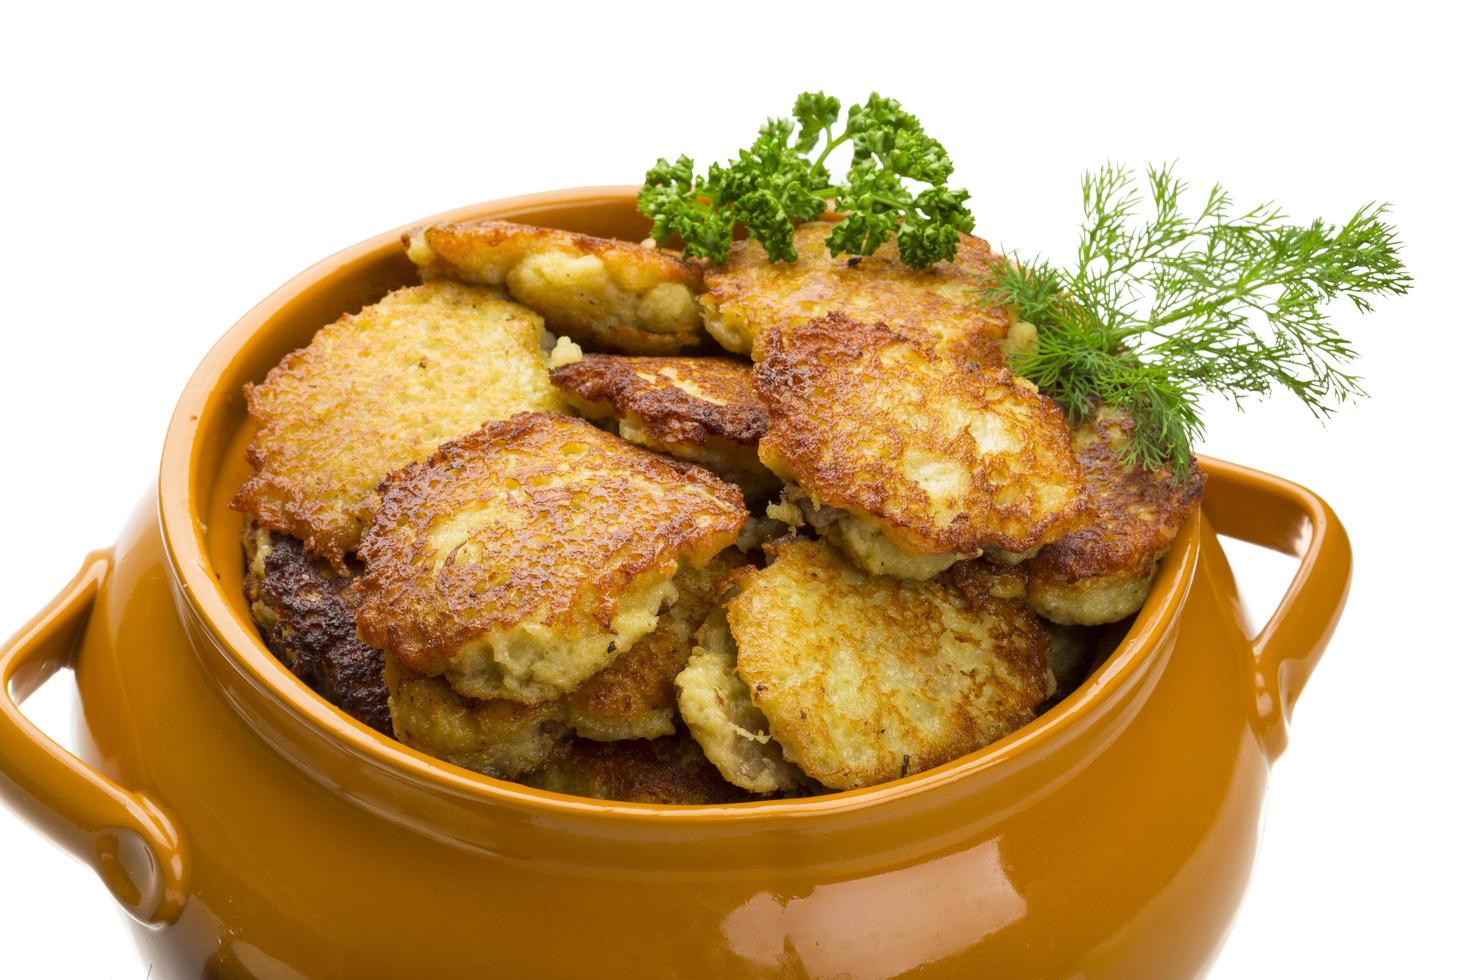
{"type": "Point", "coordinates": [855, 928]}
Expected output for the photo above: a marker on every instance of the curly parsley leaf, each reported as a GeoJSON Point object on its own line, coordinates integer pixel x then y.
{"type": "Point", "coordinates": [781, 180]}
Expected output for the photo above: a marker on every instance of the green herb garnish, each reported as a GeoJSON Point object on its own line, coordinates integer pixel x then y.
{"type": "Point", "coordinates": [1162, 308]}
{"type": "Point", "coordinates": [777, 183]}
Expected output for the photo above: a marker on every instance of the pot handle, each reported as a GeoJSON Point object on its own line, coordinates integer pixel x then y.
{"type": "Point", "coordinates": [1270, 512]}
{"type": "Point", "coordinates": [129, 840]}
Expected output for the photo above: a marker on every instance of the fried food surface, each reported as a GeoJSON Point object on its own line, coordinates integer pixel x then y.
{"type": "Point", "coordinates": [377, 390]}
{"type": "Point", "coordinates": [716, 704]}
{"type": "Point", "coordinates": [610, 294]}
{"type": "Point", "coordinates": [669, 770]}
{"type": "Point", "coordinates": [1102, 571]}
{"type": "Point", "coordinates": [703, 409]}
{"type": "Point", "coordinates": [633, 698]}
{"type": "Point", "coordinates": [680, 401]}
{"type": "Point", "coordinates": [497, 737]}
{"type": "Point", "coordinates": [864, 679]}
{"type": "Point", "coordinates": [982, 578]}
{"type": "Point", "coordinates": [521, 559]}
{"type": "Point", "coordinates": [931, 457]}
{"type": "Point", "coordinates": [749, 295]}
{"type": "Point", "coordinates": [305, 614]}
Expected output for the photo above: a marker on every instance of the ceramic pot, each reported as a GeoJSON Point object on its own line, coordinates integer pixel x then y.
{"type": "Point", "coordinates": [251, 829]}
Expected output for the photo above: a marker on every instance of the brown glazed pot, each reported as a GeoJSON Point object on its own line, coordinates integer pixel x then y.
{"type": "Point", "coordinates": [251, 829]}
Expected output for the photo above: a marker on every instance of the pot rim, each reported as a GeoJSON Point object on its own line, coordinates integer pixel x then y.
{"type": "Point", "coordinates": [183, 530]}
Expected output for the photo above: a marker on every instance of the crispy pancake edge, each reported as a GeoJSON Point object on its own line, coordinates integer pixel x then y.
{"type": "Point", "coordinates": [807, 713]}
{"type": "Point", "coordinates": [668, 413]}
{"type": "Point", "coordinates": [797, 441]}
{"type": "Point", "coordinates": [748, 295]}
{"type": "Point", "coordinates": [412, 503]}
{"type": "Point", "coordinates": [489, 251]}
{"type": "Point", "coordinates": [330, 517]}
{"type": "Point", "coordinates": [304, 612]}
{"type": "Point", "coordinates": [1101, 572]}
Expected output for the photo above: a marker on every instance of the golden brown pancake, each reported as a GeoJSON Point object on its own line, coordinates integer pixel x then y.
{"type": "Point", "coordinates": [633, 698]}
{"type": "Point", "coordinates": [749, 295]}
{"type": "Point", "coordinates": [1102, 571]}
{"type": "Point", "coordinates": [927, 460]}
{"type": "Point", "coordinates": [703, 409]}
{"type": "Point", "coordinates": [862, 679]}
{"type": "Point", "coordinates": [523, 558]}
{"type": "Point", "coordinates": [380, 389]}
{"type": "Point", "coordinates": [716, 704]}
{"type": "Point", "coordinates": [609, 294]}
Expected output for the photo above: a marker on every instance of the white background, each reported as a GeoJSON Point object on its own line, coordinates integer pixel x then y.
{"type": "Point", "coordinates": [165, 169]}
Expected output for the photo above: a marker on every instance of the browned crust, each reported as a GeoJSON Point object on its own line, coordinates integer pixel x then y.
{"type": "Point", "coordinates": [638, 682]}
{"type": "Point", "coordinates": [312, 628]}
{"type": "Point", "coordinates": [646, 387]}
{"type": "Point", "coordinates": [579, 538]}
{"type": "Point", "coordinates": [829, 668]}
{"type": "Point", "coordinates": [464, 250]}
{"type": "Point", "coordinates": [633, 698]}
{"type": "Point", "coordinates": [842, 418]}
{"type": "Point", "coordinates": [499, 738]}
{"type": "Point", "coordinates": [981, 578]}
{"type": "Point", "coordinates": [378, 389]}
{"type": "Point", "coordinates": [1021, 643]}
{"type": "Point", "coordinates": [939, 301]}
{"type": "Point", "coordinates": [668, 770]}
{"type": "Point", "coordinates": [1132, 516]}
{"type": "Point", "coordinates": [641, 681]}
{"type": "Point", "coordinates": [461, 238]}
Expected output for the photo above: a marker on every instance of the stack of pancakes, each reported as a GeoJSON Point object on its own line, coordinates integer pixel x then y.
{"type": "Point", "coordinates": [781, 528]}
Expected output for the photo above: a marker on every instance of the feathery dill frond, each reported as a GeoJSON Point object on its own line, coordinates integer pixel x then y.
{"type": "Point", "coordinates": [1163, 305]}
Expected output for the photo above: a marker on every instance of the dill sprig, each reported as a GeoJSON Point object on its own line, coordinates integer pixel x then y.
{"type": "Point", "coordinates": [1164, 306]}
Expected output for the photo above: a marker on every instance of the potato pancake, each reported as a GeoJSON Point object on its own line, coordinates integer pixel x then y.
{"type": "Point", "coordinates": [497, 737]}
{"type": "Point", "coordinates": [668, 770]}
{"type": "Point", "coordinates": [609, 294]}
{"type": "Point", "coordinates": [1102, 571]}
{"type": "Point", "coordinates": [749, 295]}
{"type": "Point", "coordinates": [635, 696]}
{"type": "Point", "coordinates": [380, 389]}
{"type": "Point", "coordinates": [924, 459]}
{"type": "Point", "coordinates": [867, 678]}
{"type": "Point", "coordinates": [305, 611]}
{"type": "Point", "coordinates": [715, 703]}
{"type": "Point", "coordinates": [703, 409]}
{"type": "Point", "coordinates": [521, 559]}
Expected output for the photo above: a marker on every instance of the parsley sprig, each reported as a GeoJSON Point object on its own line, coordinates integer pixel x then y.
{"type": "Point", "coordinates": [782, 179]}
{"type": "Point", "coordinates": [1163, 307]}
